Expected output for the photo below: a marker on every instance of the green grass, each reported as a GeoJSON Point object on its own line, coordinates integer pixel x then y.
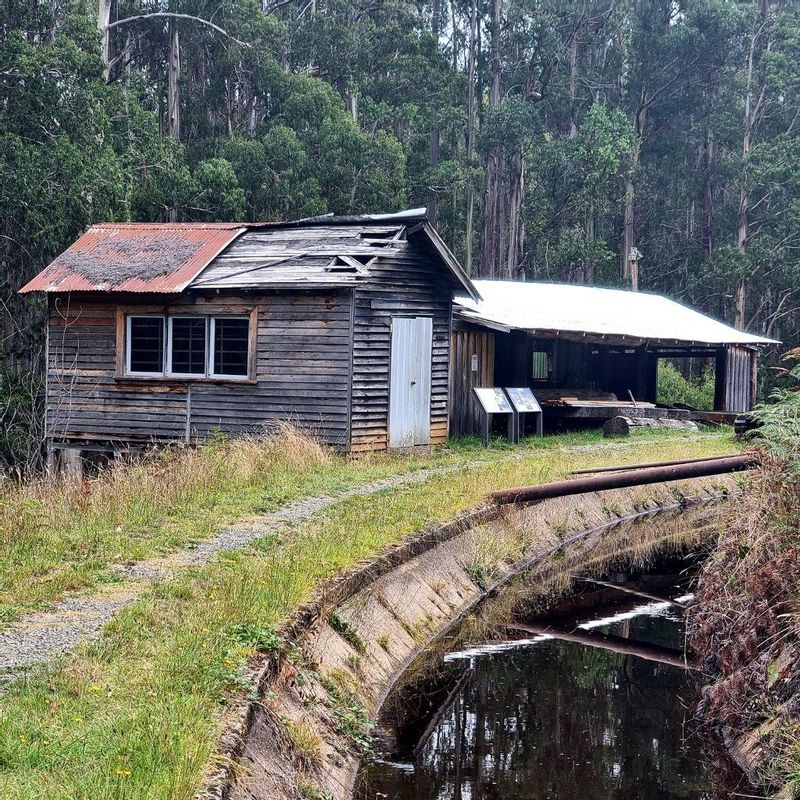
{"type": "Point", "coordinates": [60, 537]}
{"type": "Point", "coordinates": [134, 716]}
{"type": "Point", "coordinates": [57, 537]}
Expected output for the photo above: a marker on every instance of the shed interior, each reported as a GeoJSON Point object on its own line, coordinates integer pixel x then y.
{"type": "Point", "coordinates": [583, 380]}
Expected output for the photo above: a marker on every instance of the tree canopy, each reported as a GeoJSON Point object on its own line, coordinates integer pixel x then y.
{"type": "Point", "coordinates": [550, 139]}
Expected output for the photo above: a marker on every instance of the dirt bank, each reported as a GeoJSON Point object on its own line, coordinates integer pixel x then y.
{"type": "Point", "coordinates": [313, 694]}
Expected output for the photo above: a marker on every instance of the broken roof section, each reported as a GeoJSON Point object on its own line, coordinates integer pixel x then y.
{"type": "Point", "coordinates": [136, 257]}
{"type": "Point", "coordinates": [313, 255]}
{"type": "Point", "coordinates": [594, 314]}
{"type": "Point", "coordinates": [321, 251]}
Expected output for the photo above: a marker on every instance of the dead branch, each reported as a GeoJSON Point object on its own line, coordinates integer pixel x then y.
{"type": "Point", "coordinates": [173, 15]}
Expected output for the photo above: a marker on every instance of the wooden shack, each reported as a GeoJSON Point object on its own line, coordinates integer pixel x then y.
{"type": "Point", "coordinates": [165, 332]}
{"type": "Point", "coordinates": [589, 353]}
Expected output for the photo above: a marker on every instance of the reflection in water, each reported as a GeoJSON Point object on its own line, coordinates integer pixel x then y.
{"type": "Point", "coordinates": [557, 720]}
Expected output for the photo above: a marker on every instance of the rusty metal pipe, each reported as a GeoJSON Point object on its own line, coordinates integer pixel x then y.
{"type": "Point", "coordinates": [623, 467]}
{"type": "Point", "coordinates": [621, 480]}
{"type": "Point", "coordinates": [617, 644]}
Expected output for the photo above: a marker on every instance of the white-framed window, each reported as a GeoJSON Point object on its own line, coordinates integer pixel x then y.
{"type": "Point", "coordinates": [145, 345]}
{"type": "Point", "coordinates": [187, 346]}
{"type": "Point", "coordinates": [230, 347]}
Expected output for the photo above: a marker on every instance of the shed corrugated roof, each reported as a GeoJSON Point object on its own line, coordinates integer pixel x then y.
{"type": "Point", "coordinates": [321, 251]}
{"type": "Point", "coordinates": [136, 257]}
{"type": "Point", "coordinates": [636, 317]}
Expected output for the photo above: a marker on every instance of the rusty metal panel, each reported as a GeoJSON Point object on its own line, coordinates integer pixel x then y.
{"type": "Point", "coordinates": [136, 257]}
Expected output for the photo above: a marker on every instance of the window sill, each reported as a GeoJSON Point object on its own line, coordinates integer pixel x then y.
{"type": "Point", "coordinates": [170, 380]}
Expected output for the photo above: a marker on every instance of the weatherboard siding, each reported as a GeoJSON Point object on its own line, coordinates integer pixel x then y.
{"type": "Point", "coordinates": [408, 284]}
{"type": "Point", "coordinates": [468, 342]}
{"type": "Point", "coordinates": [302, 373]}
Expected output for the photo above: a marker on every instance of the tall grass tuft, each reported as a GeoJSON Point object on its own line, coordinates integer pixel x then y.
{"type": "Point", "coordinates": [56, 535]}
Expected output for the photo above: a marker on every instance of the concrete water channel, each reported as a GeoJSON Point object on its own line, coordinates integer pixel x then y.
{"type": "Point", "coordinates": [526, 716]}
{"type": "Point", "coordinates": [552, 710]}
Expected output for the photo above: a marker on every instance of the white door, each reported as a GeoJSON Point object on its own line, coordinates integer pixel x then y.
{"type": "Point", "coordinates": [410, 384]}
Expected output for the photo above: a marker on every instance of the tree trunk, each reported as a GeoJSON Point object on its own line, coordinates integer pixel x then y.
{"type": "Point", "coordinates": [628, 231]}
{"type": "Point", "coordinates": [492, 250]}
{"type": "Point", "coordinates": [516, 223]}
{"type": "Point", "coordinates": [587, 275]}
{"type": "Point", "coordinates": [628, 226]}
{"type": "Point", "coordinates": [433, 195]}
{"type": "Point", "coordinates": [435, 143]}
{"type": "Point", "coordinates": [351, 99]}
{"type": "Point", "coordinates": [708, 191]}
{"type": "Point", "coordinates": [743, 216]}
{"type": "Point", "coordinates": [105, 10]}
{"type": "Point", "coordinates": [472, 57]}
{"type": "Point", "coordinates": [573, 80]}
{"type": "Point", "coordinates": [174, 91]}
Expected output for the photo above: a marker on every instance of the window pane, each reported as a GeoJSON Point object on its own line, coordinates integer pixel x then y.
{"type": "Point", "coordinates": [147, 344]}
{"type": "Point", "coordinates": [540, 366]}
{"type": "Point", "coordinates": [230, 346]}
{"type": "Point", "coordinates": [188, 346]}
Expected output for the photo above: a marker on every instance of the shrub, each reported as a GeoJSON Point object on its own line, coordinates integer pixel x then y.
{"type": "Point", "coordinates": [673, 388]}
{"type": "Point", "coordinates": [779, 432]}
{"type": "Point", "coordinates": [21, 419]}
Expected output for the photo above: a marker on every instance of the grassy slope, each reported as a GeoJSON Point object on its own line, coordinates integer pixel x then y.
{"type": "Point", "coordinates": [135, 714]}
{"type": "Point", "coordinates": [56, 537]}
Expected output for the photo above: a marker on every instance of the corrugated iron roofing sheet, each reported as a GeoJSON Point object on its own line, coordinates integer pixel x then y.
{"type": "Point", "coordinates": [569, 308]}
{"type": "Point", "coordinates": [136, 257]}
{"type": "Point", "coordinates": [169, 257]}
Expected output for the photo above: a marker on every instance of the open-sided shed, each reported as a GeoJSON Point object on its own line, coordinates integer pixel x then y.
{"type": "Point", "coordinates": [587, 352]}
{"type": "Point", "coordinates": [164, 332]}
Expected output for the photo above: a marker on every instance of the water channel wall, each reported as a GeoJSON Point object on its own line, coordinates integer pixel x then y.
{"type": "Point", "coordinates": [300, 727]}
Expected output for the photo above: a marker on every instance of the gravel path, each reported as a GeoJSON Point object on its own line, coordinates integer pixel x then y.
{"type": "Point", "coordinates": [44, 635]}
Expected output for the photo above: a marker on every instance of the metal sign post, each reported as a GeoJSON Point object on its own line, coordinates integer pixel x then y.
{"type": "Point", "coordinates": [524, 402]}
{"type": "Point", "coordinates": [494, 401]}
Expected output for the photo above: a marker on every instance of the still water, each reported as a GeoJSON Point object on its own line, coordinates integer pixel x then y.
{"type": "Point", "coordinates": [545, 719]}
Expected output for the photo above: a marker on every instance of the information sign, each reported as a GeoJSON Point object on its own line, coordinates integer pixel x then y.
{"type": "Point", "coordinates": [523, 400]}
{"type": "Point", "coordinates": [493, 401]}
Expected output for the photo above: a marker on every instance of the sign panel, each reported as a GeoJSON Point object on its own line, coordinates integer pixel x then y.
{"type": "Point", "coordinates": [493, 400]}
{"type": "Point", "coordinates": [523, 400]}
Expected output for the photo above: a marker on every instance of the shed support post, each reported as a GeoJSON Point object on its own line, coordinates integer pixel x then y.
{"type": "Point", "coordinates": [73, 464]}
{"type": "Point", "coordinates": [642, 359]}
{"type": "Point", "coordinates": [514, 427]}
{"type": "Point", "coordinates": [51, 462]}
{"type": "Point", "coordinates": [720, 379]}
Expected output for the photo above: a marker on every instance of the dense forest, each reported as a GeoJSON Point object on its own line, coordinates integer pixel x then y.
{"type": "Point", "coordinates": [606, 141]}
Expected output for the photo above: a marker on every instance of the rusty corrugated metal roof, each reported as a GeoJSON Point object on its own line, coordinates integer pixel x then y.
{"type": "Point", "coordinates": [136, 257]}
{"type": "Point", "coordinates": [169, 257]}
